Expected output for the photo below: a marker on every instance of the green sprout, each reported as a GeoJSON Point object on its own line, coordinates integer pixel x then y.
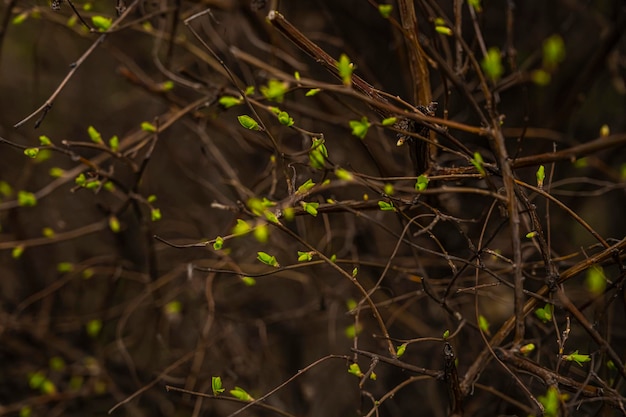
{"type": "Point", "coordinates": [310, 208]}
{"type": "Point", "coordinates": [26, 199]}
{"type": "Point", "coordinates": [305, 256]}
{"type": "Point", "coordinates": [241, 394]}
{"type": "Point", "coordinates": [345, 68]}
{"type": "Point", "coordinates": [101, 23]}
{"type": "Point", "coordinates": [268, 259]}
{"type": "Point", "coordinates": [275, 90]}
{"type": "Point", "coordinates": [285, 119]}
{"type": "Point", "coordinates": [312, 92]}
{"type": "Point", "coordinates": [545, 314]}
{"type": "Point", "coordinates": [541, 175]}
{"type": "Point", "coordinates": [386, 206]}
{"type": "Point", "coordinates": [229, 101]}
{"type": "Point", "coordinates": [492, 64]}
{"type": "Point", "coordinates": [31, 152]}
{"type": "Point", "coordinates": [483, 324]}
{"type": "Point", "coordinates": [343, 174]}
{"type": "Point", "coordinates": [478, 163]}
{"type": "Point", "coordinates": [241, 228]}
{"type": "Point", "coordinates": [385, 10]}
{"type": "Point", "coordinates": [400, 350]}
{"type": "Point", "coordinates": [304, 188]}
{"type": "Point", "coordinates": [216, 385]}
{"type": "Point", "coordinates": [248, 122]}
{"type": "Point", "coordinates": [148, 127]}
{"type": "Point", "coordinates": [421, 183]}
{"type": "Point", "coordinates": [248, 281]}
{"type": "Point", "coordinates": [94, 135]}
{"type": "Point", "coordinates": [389, 121]}
{"type": "Point", "coordinates": [318, 154]}
{"type": "Point", "coordinates": [595, 280]}
{"type": "Point", "coordinates": [360, 128]}
{"type": "Point", "coordinates": [553, 52]}
{"type": "Point", "coordinates": [219, 243]}
{"type": "Point", "coordinates": [550, 402]}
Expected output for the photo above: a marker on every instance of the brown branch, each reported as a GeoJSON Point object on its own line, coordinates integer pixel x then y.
{"type": "Point", "coordinates": [483, 358]}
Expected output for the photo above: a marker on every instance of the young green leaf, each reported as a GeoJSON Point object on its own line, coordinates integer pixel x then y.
{"type": "Point", "coordinates": [400, 350]}
{"type": "Point", "coordinates": [304, 188]}
{"type": "Point", "coordinates": [540, 77]}
{"type": "Point", "coordinates": [345, 68]}
{"type": "Point", "coordinates": [94, 135]}
{"type": "Point", "coordinates": [275, 90]}
{"type": "Point", "coordinates": [444, 30]}
{"type": "Point", "coordinates": [148, 127]}
{"type": "Point", "coordinates": [219, 243]}
{"type": "Point", "coordinates": [248, 122]}
{"type": "Point", "coordinates": [531, 235]}
{"type": "Point", "coordinates": [31, 152]}
{"type": "Point", "coordinates": [155, 214]}
{"type": "Point", "coordinates": [541, 175]}
{"type": "Point", "coordinates": [360, 127]}
{"type": "Point", "coordinates": [305, 256]}
{"type": "Point", "coordinates": [216, 385]}
{"type": "Point", "coordinates": [595, 280]}
{"type": "Point", "coordinates": [478, 163]}
{"type": "Point", "coordinates": [553, 52]}
{"type": "Point", "coordinates": [64, 267]}
{"type": "Point", "coordinates": [26, 199]}
{"type": "Point", "coordinates": [526, 349]}
{"type": "Point", "coordinates": [421, 183]}
{"type": "Point", "coordinates": [241, 228]}
{"type": "Point", "coordinates": [343, 174]}
{"type": "Point", "coordinates": [229, 101]}
{"type": "Point", "coordinates": [44, 140]}
{"type": "Point", "coordinates": [114, 224]}
{"type": "Point", "coordinates": [388, 189]}
{"type": "Point", "coordinates": [101, 23]}
{"type": "Point", "coordinates": [353, 331]}
{"type": "Point", "coordinates": [17, 251]}
{"type": "Point", "coordinates": [389, 121]}
{"type": "Point", "coordinates": [93, 327]}
{"type": "Point", "coordinates": [318, 154]}
{"type": "Point", "coordinates": [312, 92]}
{"type": "Point", "coordinates": [248, 281]}
{"type": "Point", "coordinates": [355, 370]}
{"type": "Point", "coordinates": [545, 314]}
{"type": "Point", "coordinates": [550, 402]}
{"type": "Point", "coordinates": [261, 232]}
{"type": "Point", "coordinates": [267, 259]}
{"type": "Point", "coordinates": [385, 10]}
{"type": "Point", "coordinates": [492, 64]}
{"type": "Point", "coordinates": [446, 334]}
{"type": "Point", "coordinates": [310, 208]}
{"type": "Point", "coordinates": [241, 394]}
{"type": "Point", "coordinates": [20, 18]}
{"type": "Point", "coordinates": [285, 119]}
{"type": "Point", "coordinates": [483, 324]}
{"type": "Point", "coordinates": [114, 143]}
{"type": "Point", "coordinates": [386, 206]}
{"type": "Point", "coordinates": [579, 358]}
{"type": "Point", "coordinates": [56, 172]}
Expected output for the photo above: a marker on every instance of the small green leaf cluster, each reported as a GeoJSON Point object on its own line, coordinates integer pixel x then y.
{"type": "Point", "coordinates": [275, 90]}
{"type": "Point", "coordinates": [345, 69]}
{"type": "Point", "coordinates": [492, 64]}
{"type": "Point", "coordinates": [318, 154]}
{"type": "Point", "coordinates": [360, 127]}
{"type": "Point", "coordinates": [545, 313]}
{"type": "Point", "coordinates": [268, 259]}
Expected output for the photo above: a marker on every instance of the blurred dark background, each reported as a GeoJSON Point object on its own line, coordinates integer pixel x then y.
{"type": "Point", "coordinates": [101, 315]}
